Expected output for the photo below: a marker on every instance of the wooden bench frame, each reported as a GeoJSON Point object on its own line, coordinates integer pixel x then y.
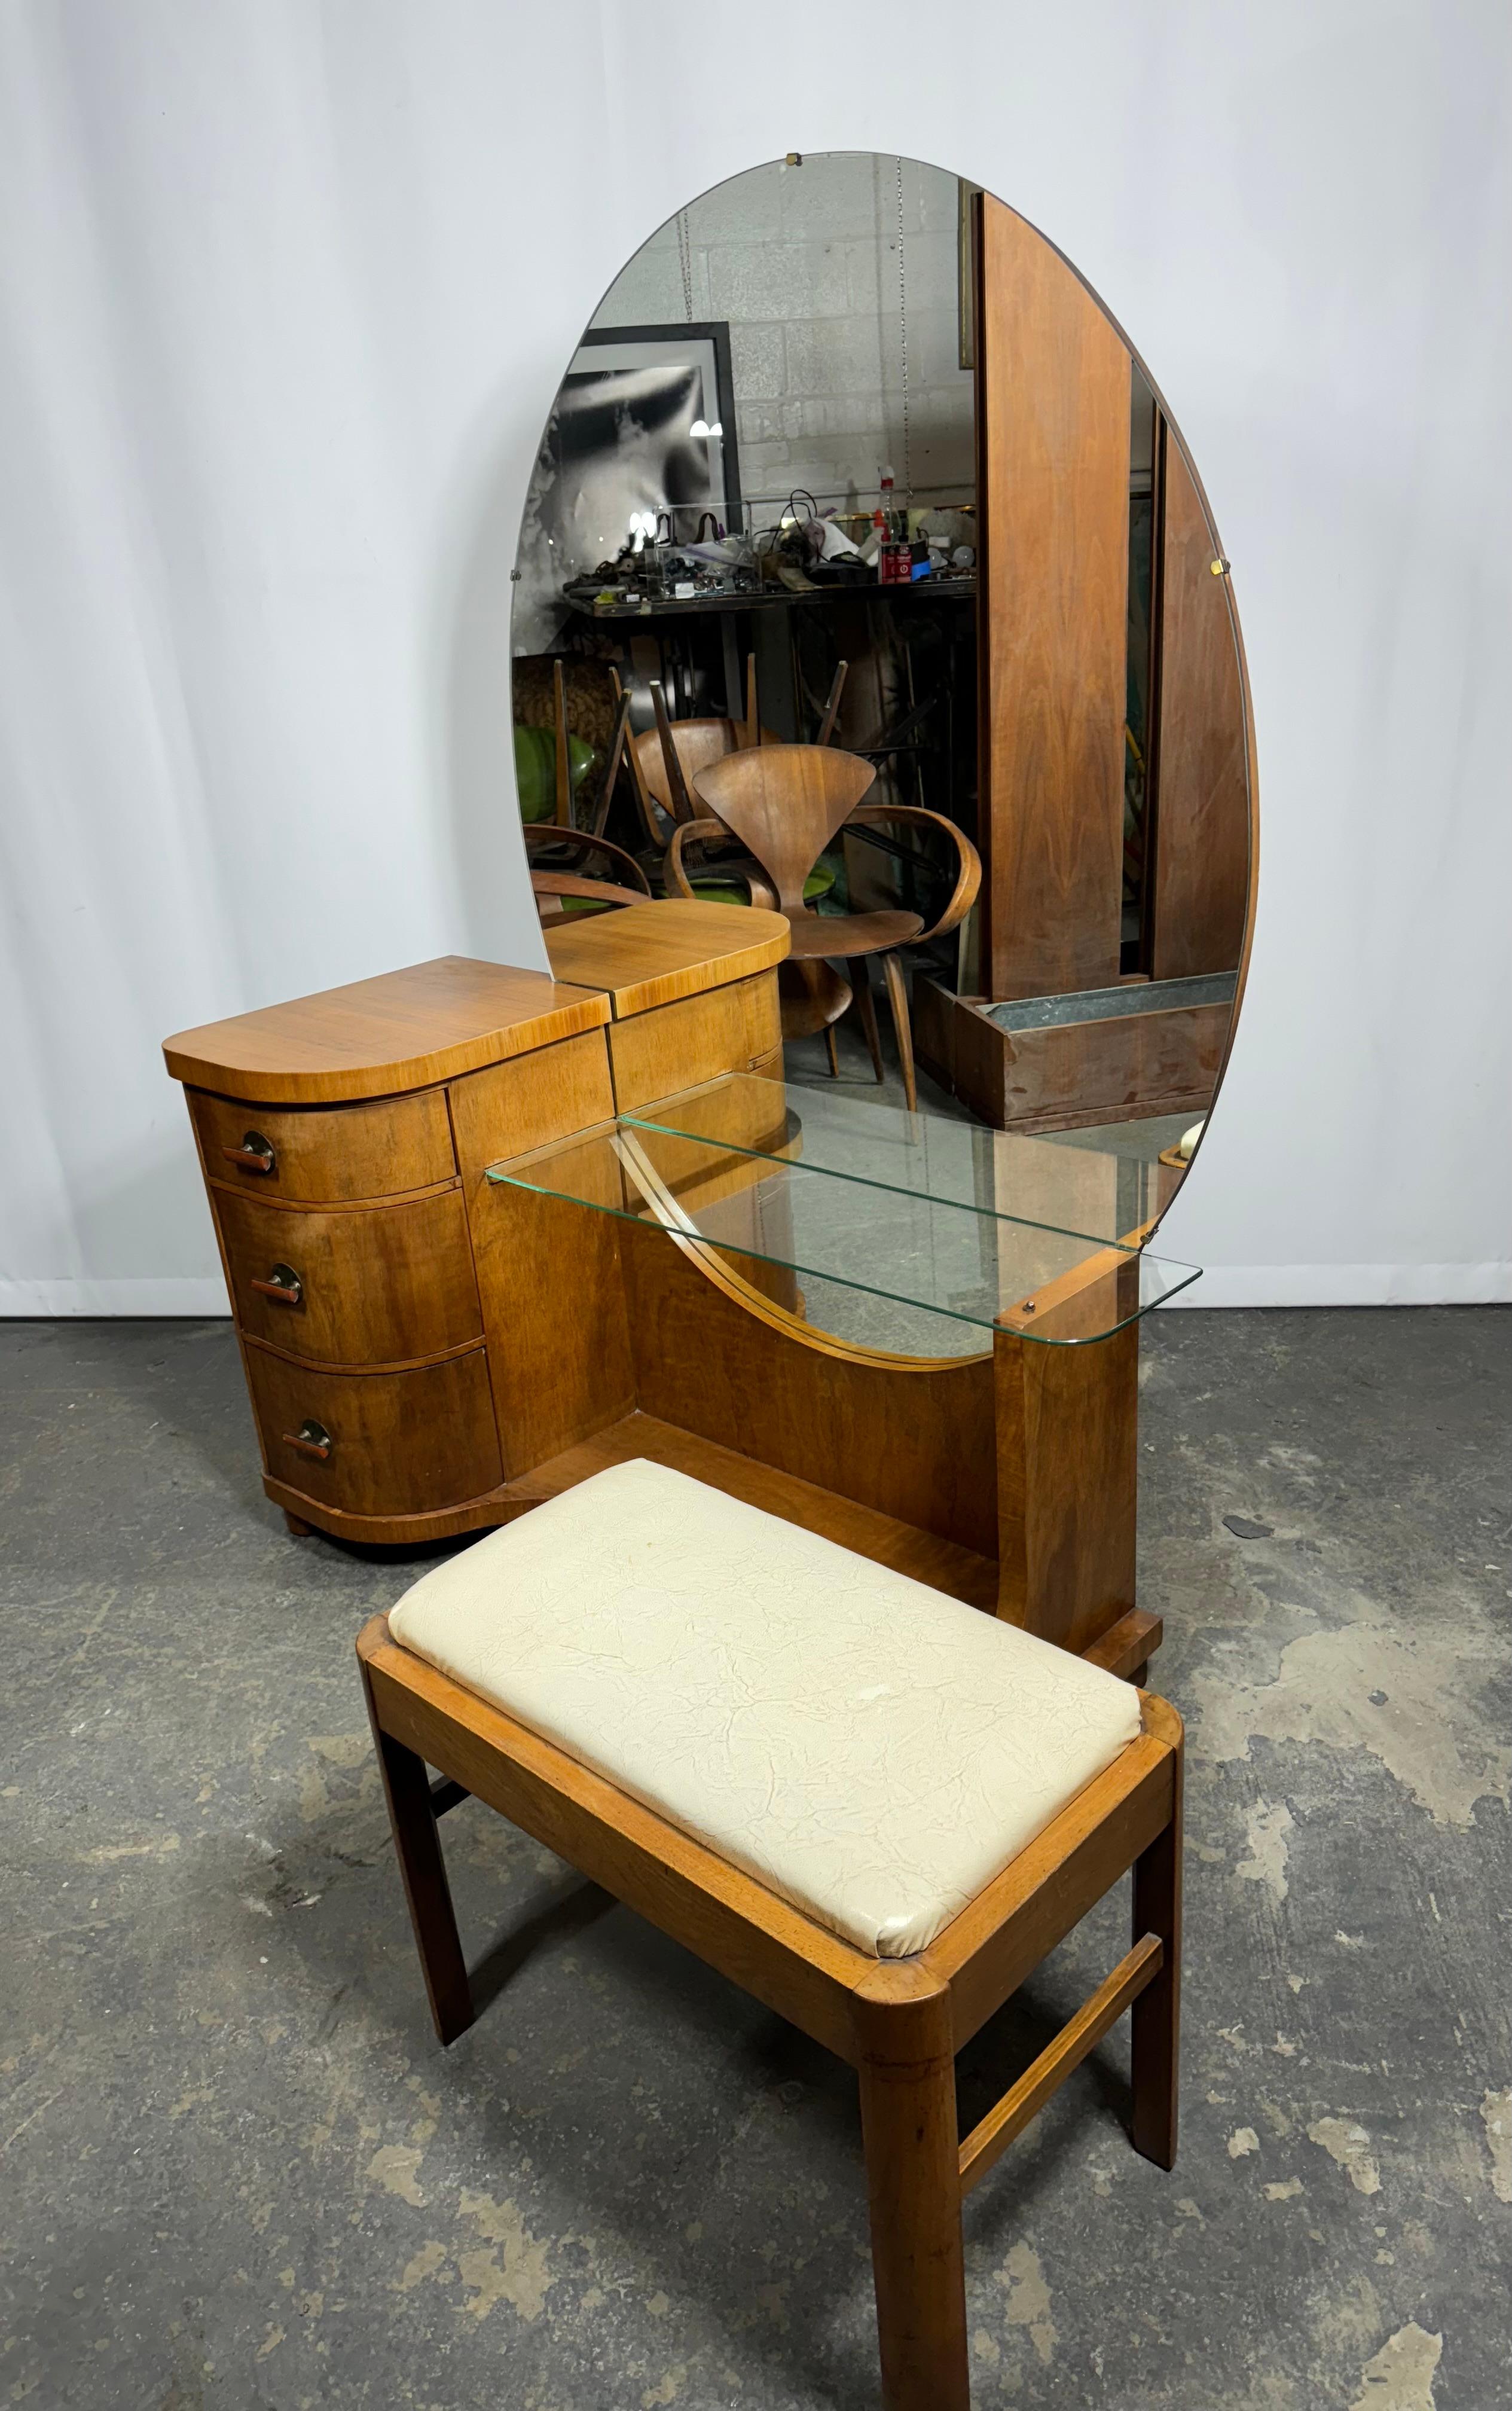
{"type": "Point", "coordinates": [899, 2023]}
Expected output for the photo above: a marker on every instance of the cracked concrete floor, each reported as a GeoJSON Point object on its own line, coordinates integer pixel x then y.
{"type": "Point", "coordinates": [239, 2173]}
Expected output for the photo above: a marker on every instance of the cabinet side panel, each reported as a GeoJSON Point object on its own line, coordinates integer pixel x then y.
{"type": "Point", "coordinates": [1068, 1422]}
{"type": "Point", "coordinates": [548, 1272]}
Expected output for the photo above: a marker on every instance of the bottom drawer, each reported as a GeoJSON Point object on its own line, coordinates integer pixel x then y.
{"type": "Point", "coordinates": [396, 1443]}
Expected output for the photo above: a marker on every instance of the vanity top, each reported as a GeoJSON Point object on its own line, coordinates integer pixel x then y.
{"type": "Point", "coordinates": [379, 1037]}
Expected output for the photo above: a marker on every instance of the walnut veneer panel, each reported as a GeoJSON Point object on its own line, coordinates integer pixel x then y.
{"type": "Point", "coordinates": [1201, 830]}
{"type": "Point", "coordinates": [375, 1037]}
{"type": "Point", "coordinates": [377, 1285]}
{"type": "Point", "coordinates": [1067, 1467]}
{"type": "Point", "coordinates": [548, 1273]}
{"type": "Point", "coordinates": [402, 1443]}
{"type": "Point", "coordinates": [1053, 430]}
{"type": "Point", "coordinates": [915, 1442]}
{"type": "Point", "coordinates": [734, 1029]}
{"type": "Point", "coordinates": [327, 1157]}
{"type": "Point", "coordinates": [653, 954]}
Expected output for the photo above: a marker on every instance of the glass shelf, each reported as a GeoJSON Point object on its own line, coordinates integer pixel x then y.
{"type": "Point", "coordinates": [1086, 1193]}
{"type": "Point", "coordinates": [889, 1230]}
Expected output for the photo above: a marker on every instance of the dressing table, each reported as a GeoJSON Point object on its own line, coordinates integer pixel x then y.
{"type": "Point", "coordinates": [487, 1231]}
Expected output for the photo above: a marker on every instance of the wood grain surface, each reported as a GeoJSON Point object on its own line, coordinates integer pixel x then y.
{"type": "Point", "coordinates": [1052, 445]}
{"type": "Point", "coordinates": [915, 1441]}
{"type": "Point", "coordinates": [1203, 807]}
{"type": "Point", "coordinates": [736, 1027]}
{"type": "Point", "coordinates": [403, 1443]}
{"type": "Point", "coordinates": [1068, 1466]}
{"type": "Point", "coordinates": [375, 1037]}
{"type": "Point", "coordinates": [335, 1157]}
{"type": "Point", "coordinates": [653, 954]}
{"type": "Point", "coordinates": [1125, 1068]}
{"type": "Point", "coordinates": [548, 1271]}
{"type": "Point", "coordinates": [378, 1285]}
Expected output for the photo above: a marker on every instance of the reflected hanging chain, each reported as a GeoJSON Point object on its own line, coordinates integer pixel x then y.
{"type": "Point", "coordinates": [903, 345]}
{"type": "Point", "coordinates": [685, 261]}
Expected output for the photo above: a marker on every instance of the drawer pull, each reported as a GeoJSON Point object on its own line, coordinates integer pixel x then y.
{"type": "Point", "coordinates": [255, 1154]}
{"type": "Point", "coordinates": [310, 1439]}
{"type": "Point", "coordinates": [282, 1283]}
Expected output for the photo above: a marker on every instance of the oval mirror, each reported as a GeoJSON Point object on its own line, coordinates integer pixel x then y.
{"type": "Point", "coordinates": [850, 456]}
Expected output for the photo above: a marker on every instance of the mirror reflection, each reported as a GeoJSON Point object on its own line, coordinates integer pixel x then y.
{"type": "Point", "coordinates": [863, 575]}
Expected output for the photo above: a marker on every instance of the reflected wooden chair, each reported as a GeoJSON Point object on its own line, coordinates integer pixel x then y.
{"type": "Point", "coordinates": [894, 1943]}
{"type": "Point", "coordinates": [665, 760]}
{"type": "Point", "coordinates": [558, 889]}
{"type": "Point", "coordinates": [784, 804]}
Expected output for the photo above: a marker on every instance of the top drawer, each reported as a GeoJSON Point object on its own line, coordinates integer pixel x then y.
{"type": "Point", "coordinates": [326, 1155]}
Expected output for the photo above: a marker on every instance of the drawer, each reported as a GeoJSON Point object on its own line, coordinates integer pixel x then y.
{"type": "Point", "coordinates": [372, 1285]}
{"type": "Point", "coordinates": [732, 1029]}
{"type": "Point", "coordinates": [399, 1443]}
{"type": "Point", "coordinates": [326, 1153]}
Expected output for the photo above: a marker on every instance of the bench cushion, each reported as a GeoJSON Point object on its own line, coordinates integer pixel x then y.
{"type": "Point", "coordinates": [870, 1748]}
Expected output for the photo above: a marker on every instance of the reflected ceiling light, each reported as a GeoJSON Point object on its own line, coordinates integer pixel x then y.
{"type": "Point", "coordinates": [702, 426]}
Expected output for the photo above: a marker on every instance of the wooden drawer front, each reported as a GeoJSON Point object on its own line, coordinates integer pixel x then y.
{"type": "Point", "coordinates": [375, 1286]}
{"type": "Point", "coordinates": [400, 1443]}
{"type": "Point", "coordinates": [729, 1030]}
{"type": "Point", "coordinates": [326, 1154]}
{"type": "Point", "coordinates": [515, 1106]}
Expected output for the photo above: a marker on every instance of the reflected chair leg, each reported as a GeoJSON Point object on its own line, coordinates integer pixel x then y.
{"type": "Point", "coordinates": [832, 1050]}
{"type": "Point", "coordinates": [898, 997]}
{"type": "Point", "coordinates": [1156, 2017]}
{"type": "Point", "coordinates": [417, 1847]}
{"type": "Point", "coordinates": [907, 2117]}
{"type": "Point", "coordinates": [866, 1007]}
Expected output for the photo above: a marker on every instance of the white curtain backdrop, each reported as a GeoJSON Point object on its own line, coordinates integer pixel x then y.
{"type": "Point", "coordinates": [287, 287]}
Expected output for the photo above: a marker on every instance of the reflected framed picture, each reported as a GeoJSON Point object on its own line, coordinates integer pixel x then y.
{"type": "Point", "coordinates": [645, 422]}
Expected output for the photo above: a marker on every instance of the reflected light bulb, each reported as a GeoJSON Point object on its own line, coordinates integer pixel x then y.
{"type": "Point", "coordinates": [700, 427]}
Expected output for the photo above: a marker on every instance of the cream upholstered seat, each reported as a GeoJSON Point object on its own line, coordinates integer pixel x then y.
{"type": "Point", "coordinates": [871, 1749]}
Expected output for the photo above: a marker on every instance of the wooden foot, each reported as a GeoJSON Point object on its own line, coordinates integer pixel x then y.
{"type": "Point", "coordinates": [412, 1814]}
{"type": "Point", "coordinates": [907, 2116]}
{"type": "Point", "coordinates": [1156, 2018]}
{"type": "Point", "coordinates": [833, 1052]}
{"type": "Point", "coordinates": [866, 1007]}
{"type": "Point", "coordinates": [898, 998]}
{"type": "Point", "coordinates": [299, 1529]}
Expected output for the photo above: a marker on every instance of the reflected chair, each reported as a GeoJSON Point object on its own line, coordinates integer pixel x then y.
{"type": "Point", "coordinates": [665, 760]}
{"type": "Point", "coordinates": [558, 889]}
{"type": "Point", "coordinates": [784, 804]}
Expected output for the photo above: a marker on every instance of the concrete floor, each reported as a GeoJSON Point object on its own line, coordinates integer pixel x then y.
{"type": "Point", "coordinates": [240, 2175]}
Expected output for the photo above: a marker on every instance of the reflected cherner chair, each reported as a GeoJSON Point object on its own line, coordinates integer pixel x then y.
{"type": "Point", "coordinates": [784, 804]}
{"type": "Point", "coordinates": [559, 887]}
{"type": "Point", "coordinates": [883, 1866]}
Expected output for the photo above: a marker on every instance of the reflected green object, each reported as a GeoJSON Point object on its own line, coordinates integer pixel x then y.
{"type": "Point", "coordinates": [536, 769]}
{"type": "Point", "coordinates": [724, 891]}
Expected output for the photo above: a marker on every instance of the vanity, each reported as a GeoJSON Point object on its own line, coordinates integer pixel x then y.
{"type": "Point", "coordinates": [487, 1231]}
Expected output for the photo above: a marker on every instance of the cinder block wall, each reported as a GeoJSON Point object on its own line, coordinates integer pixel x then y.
{"type": "Point", "coordinates": [802, 262]}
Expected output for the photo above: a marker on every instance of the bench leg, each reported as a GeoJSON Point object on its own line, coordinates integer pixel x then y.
{"type": "Point", "coordinates": [907, 2117]}
{"type": "Point", "coordinates": [1156, 2017]}
{"type": "Point", "coordinates": [417, 1847]}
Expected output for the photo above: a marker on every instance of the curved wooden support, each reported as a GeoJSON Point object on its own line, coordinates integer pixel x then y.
{"type": "Point", "coordinates": [968, 875]}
